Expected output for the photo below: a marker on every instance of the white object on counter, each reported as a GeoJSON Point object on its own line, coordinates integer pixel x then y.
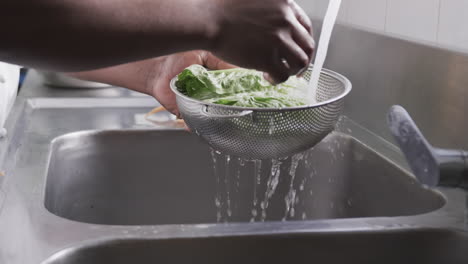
{"type": "Point", "coordinates": [9, 80]}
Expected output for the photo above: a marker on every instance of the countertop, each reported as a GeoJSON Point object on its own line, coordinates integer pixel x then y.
{"type": "Point", "coordinates": [30, 233]}
{"type": "Point", "coordinates": [34, 87]}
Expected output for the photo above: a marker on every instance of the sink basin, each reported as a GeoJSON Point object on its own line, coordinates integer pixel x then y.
{"type": "Point", "coordinates": [382, 248]}
{"type": "Point", "coordinates": [171, 177]}
{"type": "Point", "coordinates": [123, 191]}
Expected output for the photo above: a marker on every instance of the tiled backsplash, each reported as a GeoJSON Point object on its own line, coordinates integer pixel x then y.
{"type": "Point", "coordinates": [442, 22]}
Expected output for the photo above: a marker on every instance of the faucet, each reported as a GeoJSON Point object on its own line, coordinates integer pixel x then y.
{"type": "Point", "coordinates": [431, 166]}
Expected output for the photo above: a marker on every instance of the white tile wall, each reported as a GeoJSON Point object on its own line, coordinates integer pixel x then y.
{"type": "Point", "coordinates": [413, 18]}
{"type": "Point", "coordinates": [343, 15]}
{"type": "Point", "coordinates": [317, 8]}
{"type": "Point", "coordinates": [367, 13]}
{"type": "Point", "coordinates": [453, 25]}
{"type": "Point", "coordinates": [443, 22]}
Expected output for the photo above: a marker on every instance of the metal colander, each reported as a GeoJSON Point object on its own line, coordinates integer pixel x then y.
{"type": "Point", "coordinates": [266, 133]}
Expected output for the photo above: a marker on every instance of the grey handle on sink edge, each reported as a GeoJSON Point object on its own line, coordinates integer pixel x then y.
{"type": "Point", "coordinates": [432, 166]}
{"type": "Point", "coordinates": [204, 111]}
{"type": "Point", "coordinates": [453, 167]}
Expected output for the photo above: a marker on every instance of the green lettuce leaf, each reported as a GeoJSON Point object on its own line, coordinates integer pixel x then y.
{"type": "Point", "coordinates": [240, 87]}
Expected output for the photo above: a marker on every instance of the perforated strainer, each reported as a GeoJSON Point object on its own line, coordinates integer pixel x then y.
{"type": "Point", "coordinates": [265, 133]}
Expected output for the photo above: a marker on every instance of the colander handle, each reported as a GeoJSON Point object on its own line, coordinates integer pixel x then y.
{"type": "Point", "coordinates": [204, 111]}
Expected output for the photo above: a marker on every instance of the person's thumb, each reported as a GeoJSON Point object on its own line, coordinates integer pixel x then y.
{"type": "Point", "coordinates": [214, 63]}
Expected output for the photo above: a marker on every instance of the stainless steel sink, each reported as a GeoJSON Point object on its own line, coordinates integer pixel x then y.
{"type": "Point", "coordinates": [88, 180]}
{"type": "Point", "coordinates": [125, 191]}
{"type": "Point", "coordinates": [167, 177]}
{"type": "Point", "coordinates": [382, 248]}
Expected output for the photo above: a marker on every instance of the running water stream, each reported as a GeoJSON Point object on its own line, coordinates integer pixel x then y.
{"type": "Point", "coordinates": [218, 198]}
{"type": "Point", "coordinates": [237, 178]}
{"type": "Point", "coordinates": [290, 198]}
{"type": "Point", "coordinates": [256, 184]}
{"type": "Point", "coordinates": [272, 184]}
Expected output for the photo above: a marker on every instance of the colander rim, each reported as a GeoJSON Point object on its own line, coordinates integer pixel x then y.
{"type": "Point", "coordinates": [347, 89]}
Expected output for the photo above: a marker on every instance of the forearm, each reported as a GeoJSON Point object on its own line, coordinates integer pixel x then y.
{"type": "Point", "coordinates": [70, 35]}
{"type": "Point", "coordinates": [133, 76]}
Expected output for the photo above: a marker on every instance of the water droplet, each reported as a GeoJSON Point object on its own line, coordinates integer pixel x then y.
{"type": "Point", "coordinates": [242, 162]}
{"type": "Point", "coordinates": [271, 128]}
{"type": "Point", "coordinates": [293, 212]}
{"type": "Point", "coordinates": [254, 212]}
{"type": "Point", "coordinates": [272, 184]}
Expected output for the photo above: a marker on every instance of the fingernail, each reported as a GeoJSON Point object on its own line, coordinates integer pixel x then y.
{"type": "Point", "coordinates": [301, 73]}
{"type": "Point", "coordinates": [268, 78]}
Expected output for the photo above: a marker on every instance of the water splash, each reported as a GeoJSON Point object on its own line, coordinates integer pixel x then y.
{"type": "Point", "coordinates": [227, 185]}
{"type": "Point", "coordinates": [272, 184]}
{"type": "Point", "coordinates": [237, 166]}
{"type": "Point", "coordinates": [257, 182]}
{"type": "Point", "coordinates": [302, 185]}
{"type": "Point", "coordinates": [238, 174]}
{"type": "Point", "coordinates": [228, 172]}
{"type": "Point", "coordinates": [271, 128]}
{"type": "Point", "coordinates": [291, 198]}
{"type": "Point", "coordinates": [242, 162]}
{"type": "Point", "coordinates": [308, 159]}
{"type": "Point", "coordinates": [218, 197]}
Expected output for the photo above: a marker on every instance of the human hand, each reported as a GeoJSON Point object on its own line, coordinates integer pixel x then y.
{"type": "Point", "coordinates": [153, 76]}
{"type": "Point", "coordinates": [166, 68]}
{"type": "Point", "coordinates": [274, 36]}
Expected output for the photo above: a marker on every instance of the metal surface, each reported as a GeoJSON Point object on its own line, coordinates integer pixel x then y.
{"type": "Point", "coordinates": [430, 82]}
{"type": "Point", "coordinates": [384, 71]}
{"type": "Point", "coordinates": [91, 180]}
{"type": "Point", "coordinates": [267, 132]}
{"type": "Point", "coordinates": [418, 151]}
{"type": "Point", "coordinates": [34, 86]}
{"type": "Point", "coordinates": [30, 233]}
{"type": "Point", "coordinates": [431, 166]}
{"type": "Point", "coordinates": [65, 81]}
{"type": "Point", "coordinates": [380, 247]}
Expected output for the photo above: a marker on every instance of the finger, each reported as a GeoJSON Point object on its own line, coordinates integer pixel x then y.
{"type": "Point", "coordinates": [276, 75]}
{"type": "Point", "coordinates": [272, 80]}
{"type": "Point", "coordinates": [303, 39]}
{"type": "Point", "coordinates": [295, 57]}
{"type": "Point", "coordinates": [166, 97]}
{"type": "Point", "coordinates": [277, 72]}
{"type": "Point", "coordinates": [268, 77]}
{"type": "Point", "coordinates": [214, 63]}
{"type": "Point", "coordinates": [302, 17]}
